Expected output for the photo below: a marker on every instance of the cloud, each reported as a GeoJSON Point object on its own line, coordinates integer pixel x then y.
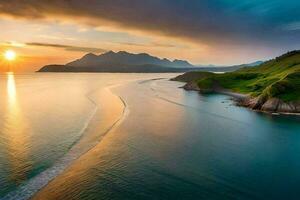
{"type": "Point", "coordinates": [68, 47]}
{"type": "Point", "coordinates": [214, 21]}
{"type": "Point", "coordinates": [178, 18]}
{"type": "Point", "coordinates": [12, 44]}
{"type": "Point", "coordinates": [52, 37]}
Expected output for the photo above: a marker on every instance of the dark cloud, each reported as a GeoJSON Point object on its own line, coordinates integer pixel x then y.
{"type": "Point", "coordinates": [68, 47]}
{"type": "Point", "coordinates": [223, 22]}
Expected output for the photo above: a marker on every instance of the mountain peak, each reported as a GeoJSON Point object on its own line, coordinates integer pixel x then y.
{"type": "Point", "coordinates": [182, 63]}
{"type": "Point", "coordinates": [144, 54]}
{"type": "Point", "coordinates": [108, 53]}
{"type": "Point", "coordinates": [89, 55]}
{"type": "Point", "coordinates": [123, 52]}
{"type": "Point", "coordinates": [124, 58]}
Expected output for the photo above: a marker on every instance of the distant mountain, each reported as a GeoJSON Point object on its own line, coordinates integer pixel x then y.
{"type": "Point", "coordinates": [123, 61]}
{"type": "Point", "coordinates": [215, 68]}
{"type": "Point", "coordinates": [124, 58]}
{"type": "Point", "coordinates": [254, 64]}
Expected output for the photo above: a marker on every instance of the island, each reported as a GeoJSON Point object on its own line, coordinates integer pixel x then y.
{"type": "Point", "coordinates": [273, 86]}
{"type": "Point", "coordinates": [125, 62]}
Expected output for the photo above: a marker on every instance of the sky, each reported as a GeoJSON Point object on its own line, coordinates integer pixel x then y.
{"type": "Point", "coordinates": [221, 32]}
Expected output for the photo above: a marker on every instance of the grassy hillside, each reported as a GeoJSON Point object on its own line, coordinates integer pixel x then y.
{"type": "Point", "coordinates": [278, 78]}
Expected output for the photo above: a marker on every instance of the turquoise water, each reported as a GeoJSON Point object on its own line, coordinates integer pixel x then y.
{"type": "Point", "coordinates": [167, 143]}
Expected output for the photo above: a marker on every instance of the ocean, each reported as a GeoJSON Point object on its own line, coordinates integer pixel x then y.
{"type": "Point", "coordinates": [138, 136]}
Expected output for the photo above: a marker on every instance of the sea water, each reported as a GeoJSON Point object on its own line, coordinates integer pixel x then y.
{"type": "Point", "coordinates": [166, 143]}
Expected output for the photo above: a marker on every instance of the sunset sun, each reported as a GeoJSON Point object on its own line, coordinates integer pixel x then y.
{"type": "Point", "coordinates": [10, 55]}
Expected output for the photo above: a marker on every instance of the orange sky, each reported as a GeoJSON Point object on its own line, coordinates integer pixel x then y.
{"type": "Point", "coordinates": [61, 31]}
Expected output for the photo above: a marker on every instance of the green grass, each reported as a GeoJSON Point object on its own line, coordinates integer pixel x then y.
{"type": "Point", "coordinates": [278, 78]}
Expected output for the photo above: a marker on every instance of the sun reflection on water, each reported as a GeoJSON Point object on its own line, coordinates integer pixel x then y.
{"type": "Point", "coordinates": [16, 134]}
{"type": "Point", "coordinates": [11, 89]}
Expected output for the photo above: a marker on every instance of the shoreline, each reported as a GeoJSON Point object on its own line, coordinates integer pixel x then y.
{"type": "Point", "coordinates": [243, 100]}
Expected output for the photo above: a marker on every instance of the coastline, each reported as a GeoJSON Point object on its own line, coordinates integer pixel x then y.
{"type": "Point", "coordinates": [126, 148]}
{"type": "Point", "coordinates": [270, 106]}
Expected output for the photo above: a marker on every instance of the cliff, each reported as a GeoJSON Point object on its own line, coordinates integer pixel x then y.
{"type": "Point", "coordinates": [273, 86]}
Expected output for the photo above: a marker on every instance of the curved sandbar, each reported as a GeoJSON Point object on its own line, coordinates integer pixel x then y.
{"type": "Point", "coordinates": [109, 110]}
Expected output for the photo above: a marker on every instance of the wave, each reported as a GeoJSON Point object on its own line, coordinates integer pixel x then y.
{"type": "Point", "coordinates": [32, 186]}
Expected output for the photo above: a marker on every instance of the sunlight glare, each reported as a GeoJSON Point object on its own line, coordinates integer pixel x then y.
{"type": "Point", "coordinates": [10, 55]}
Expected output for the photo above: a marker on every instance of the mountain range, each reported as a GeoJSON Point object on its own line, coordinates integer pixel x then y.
{"type": "Point", "coordinates": [123, 61]}
{"type": "Point", "coordinates": [125, 58]}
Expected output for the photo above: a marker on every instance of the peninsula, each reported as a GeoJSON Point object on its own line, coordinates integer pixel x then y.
{"type": "Point", "coordinates": [273, 86]}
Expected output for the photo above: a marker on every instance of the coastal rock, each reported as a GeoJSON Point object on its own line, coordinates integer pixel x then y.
{"type": "Point", "coordinates": [273, 105]}
{"type": "Point", "coordinates": [292, 107]}
{"type": "Point", "coordinates": [253, 103]}
{"type": "Point", "coordinates": [191, 86]}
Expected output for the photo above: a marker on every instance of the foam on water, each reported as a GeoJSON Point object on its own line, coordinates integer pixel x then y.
{"type": "Point", "coordinates": [32, 186]}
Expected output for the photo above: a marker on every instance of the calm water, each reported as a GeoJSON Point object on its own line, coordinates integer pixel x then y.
{"type": "Point", "coordinates": [125, 136]}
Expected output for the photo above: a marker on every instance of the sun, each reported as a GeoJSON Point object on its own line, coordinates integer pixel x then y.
{"type": "Point", "coordinates": [10, 55]}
